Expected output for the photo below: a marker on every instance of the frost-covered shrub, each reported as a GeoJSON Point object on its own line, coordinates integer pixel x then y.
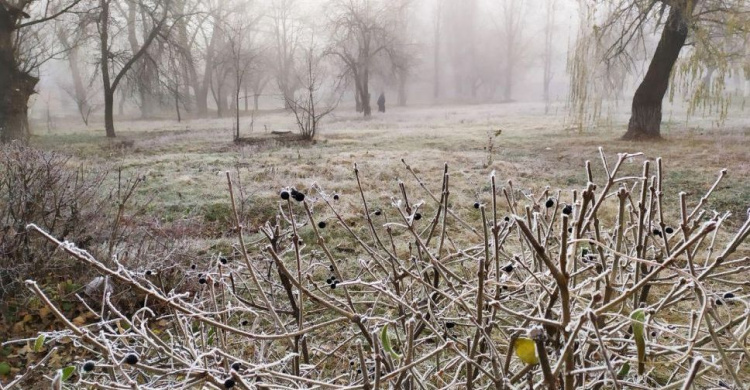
{"type": "Point", "coordinates": [597, 288]}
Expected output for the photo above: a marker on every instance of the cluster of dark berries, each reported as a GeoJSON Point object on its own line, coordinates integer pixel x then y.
{"type": "Point", "coordinates": [332, 281]}
{"type": "Point", "coordinates": [223, 259]}
{"type": "Point", "coordinates": [201, 279]}
{"type": "Point", "coordinates": [417, 216]}
{"type": "Point", "coordinates": [378, 212]}
{"type": "Point", "coordinates": [567, 210]}
{"type": "Point", "coordinates": [322, 224]}
{"type": "Point", "coordinates": [476, 205]}
{"type": "Point", "coordinates": [298, 196]}
{"type": "Point", "coordinates": [294, 194]}
{"type": "Point", "coordinates": [550, 202]}
{"type": "Point", "coordinates": [668, 230]}
{"type": "Point", "coordinates": [236, 366]}
{"type": "Point", "coordinates": [229, 383]}
{"type": "Point", "coordinates": [335, 196]}
{"type": "Point", "coordinates": [508, 268]}
{"type": "Point", "coordinates": [727, 296]}
{"type": "Point", "coordinates": [588, 258]}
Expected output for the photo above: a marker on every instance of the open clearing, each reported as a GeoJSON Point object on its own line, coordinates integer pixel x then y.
{"type": "Point", "coordinates": [184, 163]}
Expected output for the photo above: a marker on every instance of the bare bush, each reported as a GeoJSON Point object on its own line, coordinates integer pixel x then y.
{"type": "Point", "coordinates": [43, 188]}
{"type": "Point", "coordinates": [601, 288]}
{"type": "Point", "coordinates": [311, 106]}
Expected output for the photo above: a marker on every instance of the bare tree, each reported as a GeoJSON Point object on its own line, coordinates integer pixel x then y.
{"type": "Point", "coordinates": [175, 78]}
{"type": "Point", "coordinates": [285, 31]}
{"type": "Point", "coordinates": [314, 102]}
{"type": "Point", "coordinates": [461, 27]}
{"type": "Point", "coordinates": [678, 20]}
{"type": "Point", "coordinates": [437, 25]}
{"type": "Point", "coordinates": [73, 37]}
{"type": "Point", "coordinates": [361, 30]}
{"type": "Point", "coordinates": [513, 45]}
{"type": "Point", "coordinates": [258, 79]}
{"type": "Point", "coordinates": [115, 64]}
{"type": "Point", "coordinates": [549, 38]}
{"type": "Point", "coordinates": [24, 46]}
{"type": "Point", "coordinates": [240, 34]}
{"type": "Point", "coordinates": [399, 52]}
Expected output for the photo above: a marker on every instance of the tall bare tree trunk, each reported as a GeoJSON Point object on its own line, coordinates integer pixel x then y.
{"type": "Point", "coordinates": [549, 28]}
{"type": "Point", "coordinates": [357, 95]}
{"type": "Point", "coordinates": [402, 81]}
{"type": "Point", "coordinates": [436, 52]}
{"type": "Point", "coordinates": [204, 86]}
{"type": "Point", "coordinates": [109, 92]}
{"type": "Point", "coordinates": [79, 91]}
{"type": "Point", "coordinates": [188, 67]}
{"type": "Point", "coordinates": [142, 67]}
{"type": "Point", "coordinates": [16, 87]}
{"type": "Point", "coordinates": [364, 92]}
{"type": "Point", "coordinates": [121, 103]}
{"type": "Point", "coordinates": [645, 119]}
{"type": "Point", "coordinates": [247, 103]}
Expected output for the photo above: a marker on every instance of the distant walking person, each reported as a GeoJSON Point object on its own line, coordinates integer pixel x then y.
{"type": "Point", "coordinates": [381, 102]}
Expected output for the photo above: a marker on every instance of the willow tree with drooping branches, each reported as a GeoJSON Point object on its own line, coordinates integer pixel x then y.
{"type": "Point", "coordinates": [695, 24]}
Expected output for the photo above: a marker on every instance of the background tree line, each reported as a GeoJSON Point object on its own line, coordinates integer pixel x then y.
{"type": "Point", "coordinates": [219, 57]}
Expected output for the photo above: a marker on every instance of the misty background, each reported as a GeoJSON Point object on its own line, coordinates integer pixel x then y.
{"type": "Point", "coordinates": [428, 52]}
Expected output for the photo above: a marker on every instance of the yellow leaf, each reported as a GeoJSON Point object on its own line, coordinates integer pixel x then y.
{"type": "Point", "coordinates": [19, 327]}
{"type": "Point", "coordinates": [79, 321]}
{"type": "Point", "coordinates": [526, 351]}
{"type": "Point", "coordinates": [44, 311]}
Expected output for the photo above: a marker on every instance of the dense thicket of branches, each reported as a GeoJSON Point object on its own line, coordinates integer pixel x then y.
{"type": "Point", "coordinates": [603, 287]}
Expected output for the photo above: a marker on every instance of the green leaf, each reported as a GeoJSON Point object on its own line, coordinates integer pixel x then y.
{"type": "Point", "coordinates": [211, 336]}
{"type": "Point", "coordinates": [67, 372]}
{"type": "Point", "coordinates": [624, 370]}
{"type": "Point", "coordinates": [637, 319]}
{"type": "Point", "coordinates": [4, 369]}
{"type": "Point", "coordinates": [39, 343]}
{"type": "Point", "coordinates": [386, 341]}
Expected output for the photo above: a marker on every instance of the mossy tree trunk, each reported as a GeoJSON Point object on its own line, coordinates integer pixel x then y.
{"type": "Point", "coordinates": [16, 86]}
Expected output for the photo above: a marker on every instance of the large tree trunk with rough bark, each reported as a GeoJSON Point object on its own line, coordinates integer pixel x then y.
{"type": "Point", "coordinates": [109, 117]}
{"type": "Point", "coordinates": [364, 93]}
{"type": "Point", "coordinates": [645, 119]}
{"type": "Point", "coordinates": [15, 90]}
{"type": "Point", "coordinates": [109, 92]}
{"type": "Point", "coordinates": [16, 87]}
{"type": "Point", "coordinates": [402, 81]}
